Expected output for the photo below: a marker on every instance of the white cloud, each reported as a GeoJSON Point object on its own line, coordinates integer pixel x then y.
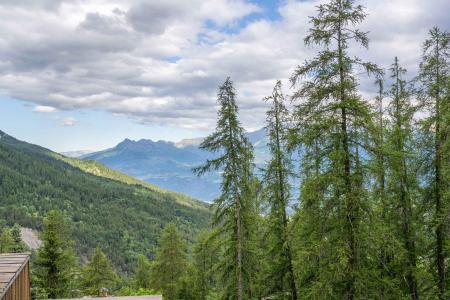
{"type": "Point", "coordinates": [44, 109]}
{"type": "Point", "coordinates": [69, 121]}
{"type": "Point", "coordinates": [161, 62]}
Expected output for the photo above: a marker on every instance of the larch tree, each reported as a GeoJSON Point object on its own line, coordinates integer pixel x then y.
{"type": "Point", "coordinates": [98, 273]}
{"type": "Point", "coordinates": [331, 123]}
{"type": "Point", "coordinates": [205, 258]}
{"type": "Point", "coordinates": [56, 260]}
{"type": "Point", "coordinates": [402, 183]}
{"type": "Point", "coordinates": [170, 264]}
{"type": "Point", "coordinates": [6, 241]}
{"type": "Point", "coordinates": [235, 207]}
{"type": "Point", "coordinates": [384, 218]}
{"type": "Point", "coordinates": [379, 142]}
{"type": "Point", "coordinates": [19, 245]}
{"type": "Point", "coordinates": [279, 169]}
{"type": "Point", "coordinates": [446, 178]}
{"type": "Point", "coordinates": [142, 273]}
{"type": "Point", "coordinates": [433, 76]}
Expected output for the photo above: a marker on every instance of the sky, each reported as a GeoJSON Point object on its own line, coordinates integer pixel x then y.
{"type": "Point", "coordinates": [86, 74]}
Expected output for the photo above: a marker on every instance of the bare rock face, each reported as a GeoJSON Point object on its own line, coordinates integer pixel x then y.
{"type": "Point", "coordinates": [30, 238]}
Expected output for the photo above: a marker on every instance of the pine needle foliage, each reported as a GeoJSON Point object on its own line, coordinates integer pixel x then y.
{"type": "Point", "coordinates": [55, 264]}
{"type": "Point", "coordinates": [280, 280]}
{"type": "Point", "coordinates": [205, 258]}
{"type": "Point", "coordinates": [384, 220]}
{"type": "Point", "coordinates": [98, 274]}
{"type": "Point", "coordinates": [170, 264]}
{"type": "Point", "coordinates": [331, 123]}
{"type": "Point", "coordinates": [142, 273]}
{"type": "Point", "coordinates": [19, 245]}
{"type": "Point", "coordinates": [402, 184]}
{"type": "Point", "coordinates": [6, 241]}
{"type": "Point", "coordinates": [434, 75]}
{"type": "Point", "coordinates": [236, 206]}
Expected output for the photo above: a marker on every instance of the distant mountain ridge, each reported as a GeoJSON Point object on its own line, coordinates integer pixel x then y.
{"type": "Point", "coordinates": [169, 165]}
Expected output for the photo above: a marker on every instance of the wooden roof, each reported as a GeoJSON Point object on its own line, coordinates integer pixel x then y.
{"type": "Point", "coordinates": [11, 264]}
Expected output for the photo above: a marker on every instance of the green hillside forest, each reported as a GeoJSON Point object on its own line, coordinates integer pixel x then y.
{"type": "Point", "coordinates": [371, 219]}
{"type": "Point", "coordinates": [107, 208]}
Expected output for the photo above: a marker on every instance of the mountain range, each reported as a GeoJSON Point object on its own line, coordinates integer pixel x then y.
{"type": "Point", "coordinates": [169, 165]}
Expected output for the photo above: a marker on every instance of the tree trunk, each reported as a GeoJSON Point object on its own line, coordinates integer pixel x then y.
{"type": "Point", "coordinates": [239, 251]}
{"type": "Point", "coordinates": [405, 203]}
{"type": "Point", "coordinates": [350, 217]}
{"type": "Point", "coordinates": [239, 279]}
{"type": "Point", "coordinates": [440, 228]}
{"type": "Point", "coordinates": [281, 185]}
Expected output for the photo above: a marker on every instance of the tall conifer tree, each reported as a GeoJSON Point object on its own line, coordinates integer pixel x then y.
{"type": "Point", "coordinates": [280, 280]}
{"type": "Point", "coordinates": [331, 123]}
{"type": "Point", "coordinates": [19, 245]}
{"type": "Point", "coordinates": [142, 273]}
{"type": "Point", "coordinates": [402, 180]}
{"type": "Point", "coordinates": [434, 72]}
{"type": "Point", "coordinates": [56, 260]}
{"type": "Point", "coordinates": [446, 176]}
{"type": "Point", "coordinates": [379, 138]}
{"type": "Point", "coordinates": [235, 208]}
{"type": "Point", "coordinates": [170, 264]}
{"type": "Point", "coordinates": [205, 257]}
{"type": "Point", "coordinates": [98, 274]}
{"type": "Point", "coordinates": [384, 217]}
{"type": "Point", "coordinates": [6, 241]}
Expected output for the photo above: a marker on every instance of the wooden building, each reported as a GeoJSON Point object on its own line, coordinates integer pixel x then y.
{"type": "Point", "coordinates": [14, 276]}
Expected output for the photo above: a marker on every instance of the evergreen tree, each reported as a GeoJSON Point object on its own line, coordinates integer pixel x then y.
{"type": "Point", "coordinates": [402, 182]}
{"type": "Point", "coordinates": [205, 258]}
{"type": "Point", "coordinates": [19, 245]}
{"type": "Point", "coordinates": [142, 273]}
{"type": "Point", "coordinates": [331, 124]}
{"type": "Point", "coordinates": [386, 235]}
{"type": "Point", "coordinates": [385, 222]}
{"type": "Point", "coordinates": [236, 206]}
{"type": "Point", "coordinates": [6, 241]}
{"type": "Point", "coordinates": [170, 264]}
{"type": "Point", "coordinates": [280, 280]}
{"type": "Point", "coordinates": [446, 176]}
{"type": "Point", "coordinates": [98, 273]}
{"type": "Point", "coordinates": [186, 289]}
{"type": "Point", "coordinates": [434, 72]}
{"type": "Point", "coordinates": [379, 141]}
{"type": "Point", "coordinates": [56, 260]}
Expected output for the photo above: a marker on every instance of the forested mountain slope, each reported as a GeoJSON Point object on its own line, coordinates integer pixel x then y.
{"type": "Point", "coordinates": [121, 213]}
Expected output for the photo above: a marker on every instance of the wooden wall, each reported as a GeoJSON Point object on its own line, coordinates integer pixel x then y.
{"type": "Point", "coordinates": [19, 287]}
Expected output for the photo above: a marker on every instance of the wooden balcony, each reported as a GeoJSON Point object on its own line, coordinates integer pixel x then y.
{"type": "Point", "coordinates": [14, 276]}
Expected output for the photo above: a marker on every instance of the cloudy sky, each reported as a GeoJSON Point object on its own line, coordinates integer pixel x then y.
{"type": "Point", "coordinates": [85, 74]}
